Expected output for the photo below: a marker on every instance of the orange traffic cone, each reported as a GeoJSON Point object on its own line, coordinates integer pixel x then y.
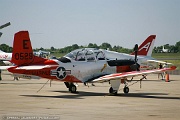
{"type": "Point", "coordinates": [167, 77]}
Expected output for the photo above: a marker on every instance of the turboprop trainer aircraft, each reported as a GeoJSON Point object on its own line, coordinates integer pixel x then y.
{"type": "Point", "coordinates": [82, 65]}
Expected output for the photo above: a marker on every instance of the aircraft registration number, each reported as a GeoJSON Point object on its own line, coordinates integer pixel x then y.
{"type": "Point", "coordinates": [23, 56]}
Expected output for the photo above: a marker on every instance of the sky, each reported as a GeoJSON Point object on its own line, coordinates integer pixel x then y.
{"type": "Point", "coordinates": [61, 23]}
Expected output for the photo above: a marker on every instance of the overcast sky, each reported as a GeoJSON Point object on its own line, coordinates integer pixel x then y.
{"type": "Point", "coordinates": [60, 23]}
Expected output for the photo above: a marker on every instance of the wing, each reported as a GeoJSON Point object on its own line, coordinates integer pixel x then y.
{"type": "Point", "coordinates": [157, 61]}
{"type": "Point", "coordinates": [131, 74]}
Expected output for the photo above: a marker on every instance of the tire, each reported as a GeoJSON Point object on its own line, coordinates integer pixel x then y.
{"type": "Point", "coordinates": [126, 90]}
{"type": "Point", "coordinates": [111, 91]}
{"type": "Point", "coordinates": [72, 88]}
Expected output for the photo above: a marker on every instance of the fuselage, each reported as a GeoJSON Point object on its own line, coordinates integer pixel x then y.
{"type": "Point", "coordinates": [6, 57]}
{"type": "Point", "coordinates": [82, 65]}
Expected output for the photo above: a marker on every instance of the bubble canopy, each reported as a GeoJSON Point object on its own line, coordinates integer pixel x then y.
{"type": "Point", "coordinates": [86, 54]}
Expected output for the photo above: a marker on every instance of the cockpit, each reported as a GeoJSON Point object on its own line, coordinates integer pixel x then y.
{"type": "Point", "coordinates": [86, 54]}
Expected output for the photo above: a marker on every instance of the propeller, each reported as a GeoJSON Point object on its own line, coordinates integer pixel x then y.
{"type": "Point", "coordinates": [3, 26]}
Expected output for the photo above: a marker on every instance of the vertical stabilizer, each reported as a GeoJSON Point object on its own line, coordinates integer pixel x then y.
{"type": "Point", "coordinates": [145, 49]}
{"type": "Point", "coordinates": [22, 50]}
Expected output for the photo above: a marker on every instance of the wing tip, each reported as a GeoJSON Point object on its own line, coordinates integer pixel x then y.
{"type": "Point", "coordinates": [173, 67]}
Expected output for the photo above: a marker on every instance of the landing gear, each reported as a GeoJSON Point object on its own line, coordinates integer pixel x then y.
{"type": "Point", "coordinates": [111, 91]}
{"type": "Point", "coordinates": [126, 89]}
{"type": "Point", "coordinates": [114, 86]}
{"type": "Point", "coordinates": [72, 88]}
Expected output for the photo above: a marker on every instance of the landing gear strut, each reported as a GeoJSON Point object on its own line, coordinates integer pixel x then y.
{"type": "Point", "coordinates": [114, 86]}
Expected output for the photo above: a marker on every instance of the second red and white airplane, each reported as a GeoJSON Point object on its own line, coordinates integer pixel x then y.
{"type": "Point", "coordinates": [80, 66]}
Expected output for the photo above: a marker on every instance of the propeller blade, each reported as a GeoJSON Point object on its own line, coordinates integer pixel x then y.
{"type": "Point", "coordinates": [1, 34]}
{"type": "Point", "coordinates": [135, 52]}
{"type": "Point", "coordinates": [5, 25]}
{"type": "Point", "coordinates": [135, 59]}
{"type": "Point", "coordinates": [136, 47]}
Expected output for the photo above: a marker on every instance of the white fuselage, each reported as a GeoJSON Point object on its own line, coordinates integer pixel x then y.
{"type": "Point", "coordinates": [6, 57]}
{"type": "Point", "coordinates": [88, 70]}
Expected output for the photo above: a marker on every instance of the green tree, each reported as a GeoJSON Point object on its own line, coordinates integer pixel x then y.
{"type": "Point", "coordinates": [75, 46]}
{"type": "Point", "coordinates": [177, 47]}
{"type": "Point", "coordinates": [105, 46]}
{"type": "Point", "coordinates": [5, 48]}
{"type": "Point", "coordinates": [52, 48]}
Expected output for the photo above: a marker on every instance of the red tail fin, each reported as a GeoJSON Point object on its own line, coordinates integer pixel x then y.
{"type": "Point", "coordinates": [146, 47]}
{"type": "Point", "coordinates": [22, 50]}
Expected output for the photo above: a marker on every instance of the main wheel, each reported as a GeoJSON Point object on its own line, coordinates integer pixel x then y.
{"type": "Point", "coordinates": [111, 91]}
{"type": "Point", "coordinates": [72, 88]}
{"type": "Point", "coordinates": [126, 90]}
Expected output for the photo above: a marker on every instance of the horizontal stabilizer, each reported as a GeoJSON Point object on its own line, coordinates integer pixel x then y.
{"type": "Point", "coordinates": [5, 67]}
{"type": "Point", "coordinates": [35, 67]}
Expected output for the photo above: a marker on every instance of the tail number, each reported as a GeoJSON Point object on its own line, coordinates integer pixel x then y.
{"type": "Point", "coordinates": [23, 56]}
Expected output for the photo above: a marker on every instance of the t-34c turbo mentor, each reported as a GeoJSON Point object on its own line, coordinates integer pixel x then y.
{"type": "Point", "coordinates": [79, 66]}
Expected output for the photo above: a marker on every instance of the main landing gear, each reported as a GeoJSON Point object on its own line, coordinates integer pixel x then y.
{"type": "Point", "coordinates": [114, 92]}
{"type": "Point", "coordinates": [126, 90]}
{"type": "Point", "coordinates": [115, 87]}
{"type": "Point", "coordinates": [111, 91]}
{"type": "Point", "coordinates": [72, 88]}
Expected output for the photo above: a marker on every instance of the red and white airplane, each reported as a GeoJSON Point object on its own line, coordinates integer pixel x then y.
{"type": "Point", "coordinates": [5, 57]}
{"type": "Point", "coordinates": [79, 66]}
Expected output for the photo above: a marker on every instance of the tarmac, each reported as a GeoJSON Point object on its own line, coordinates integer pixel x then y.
{"type": "Point", "coordinates": [156, 99]}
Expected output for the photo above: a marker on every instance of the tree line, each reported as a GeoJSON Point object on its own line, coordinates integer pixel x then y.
{"type": "Point", "coordinates": [68, 49]}
{"type": "Point", "coordinates": [172, 48]}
